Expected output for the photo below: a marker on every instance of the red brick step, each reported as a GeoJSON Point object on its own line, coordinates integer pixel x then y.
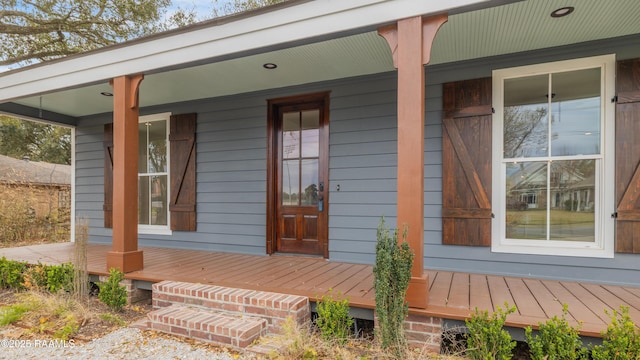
{"type": "Point", "coordinates": [221, 328]}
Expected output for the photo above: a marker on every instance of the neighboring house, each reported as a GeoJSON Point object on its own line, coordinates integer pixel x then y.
{"type": "Point", "coordinates": [41, 189]}
{"type": "Point", "coordinates": [295, 128]}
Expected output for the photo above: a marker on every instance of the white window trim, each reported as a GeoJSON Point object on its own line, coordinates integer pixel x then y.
{"type": "Point", "coordinates": [603, 247]}
{"type": "Point", "coordinates": [159, 229]}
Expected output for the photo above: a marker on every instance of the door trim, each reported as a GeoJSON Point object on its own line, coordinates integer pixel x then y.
{"type": "Point", "coordinates": [272, 163]}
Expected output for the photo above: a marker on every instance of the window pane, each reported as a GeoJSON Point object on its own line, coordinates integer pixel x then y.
{"type": "Point", "coordinates": [310, 133]}
{"type": "Point", "coordinates": [573, 200]}
{"type": "Point", "coordinates": [159, 209]}
{"type": "Point", "coordinates": [525, 130]}
{"type": "Point", "coordinates": [575, 124]}
{"type": "Point", "coordinates": [526, 200]}
{"type": "Point", "coordinates": [309, 182]}
{"type": "Point", "coordinates": [290, 182]}
{"type": "Point", "coordinates": [157, 146]}
{"type": "Point", "coordinates": [142, 148]}
{"type": "Point", "coordinates": [291, 135]}
{"type": "Point", "coordinates": [143, 200]}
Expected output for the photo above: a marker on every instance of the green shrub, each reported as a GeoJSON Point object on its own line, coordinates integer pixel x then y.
{"type": "Point", "coordinates": [12, 273]}
{"type": "Point", "coordinates": [60, 277]}
{"type": "Point", "coordinates": [333, 319]}
{"type": "Point", "coordinates": [487, 338]}
{"type": "Point", "coordinates": [556, 340]}
{"type": "Point", "coordinates": [52, 278]}
{"type": "Point", "coordinates": [621, 340]}
{"type": "Point", "coordinates": [392, 273]}
{"type": "Point", "coordinates": [111, 292]}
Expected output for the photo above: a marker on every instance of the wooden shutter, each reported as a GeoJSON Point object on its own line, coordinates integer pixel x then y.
{"type": "Point", "coordinates": [628, 157]}
{"type": "Point", "coordinates": [466, 163]}
{"type": "Point", "coordinates": [108, 175]}
{"type": "Point", "coordinates": [182, 139]}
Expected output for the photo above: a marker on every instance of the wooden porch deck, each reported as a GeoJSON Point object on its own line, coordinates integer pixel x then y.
{"type": "Point", "coordinates": [452, 295]}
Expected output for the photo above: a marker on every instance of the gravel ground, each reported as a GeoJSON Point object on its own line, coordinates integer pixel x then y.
{"type": "Point", "coordinates": [126, 343]}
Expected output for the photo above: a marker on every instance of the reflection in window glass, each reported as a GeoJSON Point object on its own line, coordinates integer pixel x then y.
{"type": "Point", "coordinates": [300, 151]}
{"type": "Point", "coordinates": [525, 130]}
{"type": "Point", "coordinates": [526, 200]}
{"type": "Point", "coordinates": [157, 147]}
{"type": "Point", "coordinates": [310, 133]}
{"type": "Point", "coordinates": [142, 148]}
{"type": "Point", "coordinates": [152, 173]}
{"type": "Point", "coordinates": [555, 118]}
{"type": "Point", "coordinates": [573, 200]}
{"type": "Point", "coordinates": [309, 182]}
{"type": "Point", "coordinates": [575, 125]}
{"type": "Point", "coordinates": [290, 182]}
{"type": "Point", "coordinates": [291, 135]}
{"type": "Point", "coordinates": [143, 200]}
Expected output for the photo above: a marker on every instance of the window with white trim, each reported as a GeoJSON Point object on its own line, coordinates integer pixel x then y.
{"type": "Point", "coordinates": [552, 148]}
{"type": "Point", "coordinates": [153, 173]}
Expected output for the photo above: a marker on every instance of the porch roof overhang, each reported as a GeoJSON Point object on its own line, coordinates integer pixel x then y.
{"type": "Point", "coordinates": [310, 41]}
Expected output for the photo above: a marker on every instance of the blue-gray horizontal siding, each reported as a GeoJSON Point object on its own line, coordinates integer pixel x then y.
{"type": "Point", "coordinates": [231, 152]}
{"type": "Point", "coordinates": [622, 269]}
{"type": "Point", "coordinates": [231, 169]}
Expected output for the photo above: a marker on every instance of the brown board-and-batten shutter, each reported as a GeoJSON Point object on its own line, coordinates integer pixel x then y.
{"type": "Point", "coordinates": [466, 163]}
{"type": "Point", "coordinates": [628, 157]}
{"type": "Point", "coordinates": [182, 139]}
{"type": "Point", "coordinates": [182, 172]}
{"type": "Point", "coordinates": [107, 207]}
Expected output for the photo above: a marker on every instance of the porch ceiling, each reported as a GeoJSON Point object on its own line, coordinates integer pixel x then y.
{"type": "Point", "coordinates": [515, 27]}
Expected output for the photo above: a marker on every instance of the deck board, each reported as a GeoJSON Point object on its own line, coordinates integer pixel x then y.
{"type": "Point", "coordinates": [452, 295]}
{"type": "Point", "coordinates": [525, 302]}
{"type": "Point", "coordinates": [439, 292]}
{"type": "Point", "coordinates": [547, 301]}
{"type": "Point", "coordinates": [459, 293]}
{"type": "Point", "coordinates": [480, 297]}
{"type": "Point", "coordinates": [577, 309]}
{"type": "Point", "coordinates": [500, 294]}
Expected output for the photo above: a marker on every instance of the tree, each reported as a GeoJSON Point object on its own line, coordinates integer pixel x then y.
{"type": "Point", "coordinates": [523, 130]}
{"type": "Point", "coordinates": [38, 30]}
{"type": "Point", "coordinates": [237, 6]}
{"type": "Point", "coordinates": [40, 142]}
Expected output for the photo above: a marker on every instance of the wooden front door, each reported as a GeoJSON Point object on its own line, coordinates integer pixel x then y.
{"type": "Point", "coordinates": [299, 175]}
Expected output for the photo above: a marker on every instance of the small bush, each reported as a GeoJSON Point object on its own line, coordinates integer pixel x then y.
{"type": "Point", "coordinates": [392, 274]}
{"type": "Point", "coordinates": [621, 340]}
{"type": "Point", "coordinates": [333, 319]}
{"type": "Point", "coordinates": [52, 278]}
{"type": "Point", "coordinates": [487, 339]}
{"type": "Point", "coordinates": [556, 340]}
{"type": "Point", "coordinates": [60, 277]}
{"type": "Point", "coordinates": [12, 273]}
{"type": "Point", "coordinates": [112, 293]}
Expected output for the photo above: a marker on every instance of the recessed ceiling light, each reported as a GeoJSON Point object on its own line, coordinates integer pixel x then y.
{"type": "Point", "coordinates": [106, 93]}
{"type": "Point", "coordinates": [563, 11]}
{"type": "Point", "coordinates": [270, 66]}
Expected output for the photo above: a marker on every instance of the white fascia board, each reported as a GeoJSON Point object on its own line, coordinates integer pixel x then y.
{"type": "Point", "coordinates": [307, 20]}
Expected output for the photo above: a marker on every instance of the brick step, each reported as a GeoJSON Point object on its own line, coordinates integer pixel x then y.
{"type": "Point", "coordinates": [211, 326]}
{"type": "Point", "coordinates": [273, 307]}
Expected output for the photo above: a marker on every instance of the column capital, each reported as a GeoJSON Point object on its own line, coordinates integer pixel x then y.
{"type": "Point", "coordinates": [429, 26]}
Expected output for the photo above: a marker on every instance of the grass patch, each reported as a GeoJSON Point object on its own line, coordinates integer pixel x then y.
{"type": "Point", "coordinates": [305, 342]}
{"type": "Point", "coordinates": [58, 315]}
{"type": "Point", "coordinates": [558, 217]}
{"type": "Point", "coordinates": [11, 313]}
{"type": "Point", "coordinates": [113, 319]}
